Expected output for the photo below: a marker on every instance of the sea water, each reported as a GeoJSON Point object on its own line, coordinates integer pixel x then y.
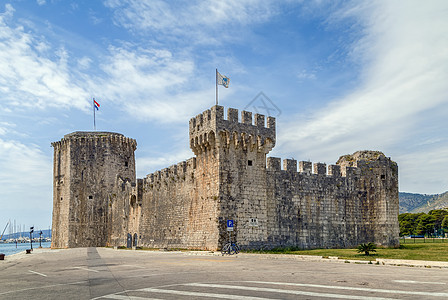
{"type": "Point", "coordinates": [9, 249]}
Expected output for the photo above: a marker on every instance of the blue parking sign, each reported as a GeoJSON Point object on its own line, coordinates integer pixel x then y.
{"type": "Point", "coordinates": [229, 223]}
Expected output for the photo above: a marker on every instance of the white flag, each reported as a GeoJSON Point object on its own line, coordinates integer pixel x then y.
{"type": "Point", "coordinates": [223, 80]}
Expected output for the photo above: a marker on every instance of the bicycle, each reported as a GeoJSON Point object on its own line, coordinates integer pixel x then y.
{"type": "Point", "coordinates": [230, 248]}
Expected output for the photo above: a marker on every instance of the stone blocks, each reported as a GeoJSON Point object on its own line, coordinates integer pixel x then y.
{"type": "Point", "coordinates": [187, 204]}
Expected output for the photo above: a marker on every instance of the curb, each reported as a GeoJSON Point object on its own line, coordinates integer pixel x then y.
{"type": "Point", "coordinates": [334, 259]}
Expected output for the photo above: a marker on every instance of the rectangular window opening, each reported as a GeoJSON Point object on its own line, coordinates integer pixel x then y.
{"type": "Point", "coordinates": [253, 222]}
{"type": "Point", "coordinates": [249, 163]}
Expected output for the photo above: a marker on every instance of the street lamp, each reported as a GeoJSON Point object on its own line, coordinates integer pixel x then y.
{"type": "Point", "coordinates": [31, 237]}
{"type": "Point", "coordinates": [40, 239]}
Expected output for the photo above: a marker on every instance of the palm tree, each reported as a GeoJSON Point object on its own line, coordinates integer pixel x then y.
{"type": "Point", "coordinates": [367, 248]}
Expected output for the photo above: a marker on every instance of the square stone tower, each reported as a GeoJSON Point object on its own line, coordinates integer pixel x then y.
{"type": "Point", "coordinates": [235, 149]}
{"type": "Point", "coordinates": [86, 166]}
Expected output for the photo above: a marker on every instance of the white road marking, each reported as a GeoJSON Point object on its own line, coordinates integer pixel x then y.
{"type": "Point", "coordinates": [433, 294]}
{"type": "Point", "coordinates": [123, 297]}
{"type": "Point", "coordinates": [420, 282]}
{"type": "Point", "coordinates": [139, 267]}
{"type": "Point", "coordinates": [198, 294]}
{"type": "Point", "coordinates": [91, 270]}
{"type": "Point", "coordinates": [293, 292]}
{"type": "Point", "coordinates": [42, 287]}
{"type": "Point", "coordinates": [37, 273]}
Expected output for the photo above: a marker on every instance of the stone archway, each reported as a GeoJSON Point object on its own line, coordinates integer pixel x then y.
{"type": "Point", "coordinates": [135, 240]}
{"type": "Point", "coordinates": [129, 241]}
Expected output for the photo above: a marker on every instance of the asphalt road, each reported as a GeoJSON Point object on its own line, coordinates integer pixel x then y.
{"type": "Point", "coordinates": [100, 273]}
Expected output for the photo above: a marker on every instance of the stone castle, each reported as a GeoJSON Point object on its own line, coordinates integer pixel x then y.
{"type": "Point", "coordinates": [99, 202]}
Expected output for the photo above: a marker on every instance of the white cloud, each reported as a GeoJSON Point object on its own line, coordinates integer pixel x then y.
{"type": "Point", "coordinates": [306, 75]}
{"type": "Point", "coordinates": [418, 170]}
{"type": "Point", "coordinates": [32, 78]}
{"type": "Point", "coordinates": [24, 168]}
{"type": "Point", "coordinates": [150, 83]}
{"type": "Point", "coordinates": [84, 63]}
{"type": "Point", "coordinates": [5, 127]}
{"type": "Point", "coordinates": [155, 84]}
{"type": "Point", "coordinates": [25, 193]}
{"type": "Point", "coordinates": [201, 21]}
{"type": "Point", "coordinates": [41, 2]}
{"type": "Point", "coordinates": [148, 164]}
{"type": "Point", "coordinates": [405, 66]}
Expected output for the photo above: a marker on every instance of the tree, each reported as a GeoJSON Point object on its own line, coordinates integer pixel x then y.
{"type": "Point", "coordinates": [426, 224]}
{"type": "Point", "coordinates": [367, 248]}
{"type": "Point", "coordinates": [439, 214]}
{"type": "Point", "coordinates": [408, 223]}
{"type": "Point", "coordinates": [445, 223]}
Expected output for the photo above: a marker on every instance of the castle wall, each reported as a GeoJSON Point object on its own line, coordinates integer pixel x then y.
{"type": "Point", "coordinates": [61, 195]}
{"type": "Point", "coordinates": [90, 162]}
{"type": "Point", "coordinates": [98, 201]}
{"type": "Point", "coordinates": [179, 206]}
{"type": "Point", "coordinates": [315, 210]}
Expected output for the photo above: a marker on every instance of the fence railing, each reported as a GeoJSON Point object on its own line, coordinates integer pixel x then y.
{"type": "Point", "coordinates": [409, 240]}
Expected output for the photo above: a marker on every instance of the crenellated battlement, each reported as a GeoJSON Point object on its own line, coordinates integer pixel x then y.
{"type": "Point", "coordinates": [308, 168]}
{"type": "Point", "coordinates": [98, 201]}
{"type": "Point", "coordinates": [173, 173]}
{"type": "Point", "coordinates": [210, 129]}
{"type": "Point", "coordinates": [347, 165]}
{"type": "Point", "coordinates": [88, 137]}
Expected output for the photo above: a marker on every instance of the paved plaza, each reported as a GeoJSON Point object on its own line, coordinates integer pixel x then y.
{"type": "Point", "coordinates": [103, 273]}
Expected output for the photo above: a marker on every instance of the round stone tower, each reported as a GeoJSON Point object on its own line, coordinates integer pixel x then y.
{"type": "Point", "coordinates": [86, 166]}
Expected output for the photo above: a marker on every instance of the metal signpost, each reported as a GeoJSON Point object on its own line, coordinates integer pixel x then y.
{"type": "Point", "coordinates": [31, 237]}
{"type": "Point", "coordinates": [230, 224]}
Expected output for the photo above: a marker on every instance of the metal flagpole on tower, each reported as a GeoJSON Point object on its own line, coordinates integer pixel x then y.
{"type": "Point", "coordinates": [216, 86]}
{"type": "Point", "coordinates": [94, 123]}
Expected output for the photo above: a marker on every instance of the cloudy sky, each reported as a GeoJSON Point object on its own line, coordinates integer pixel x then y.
{"type": "Point", "coordinates": [340, 76]}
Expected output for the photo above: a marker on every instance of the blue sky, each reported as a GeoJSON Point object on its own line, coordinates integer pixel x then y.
{"type": "Point", "coordinates": [345, 76]}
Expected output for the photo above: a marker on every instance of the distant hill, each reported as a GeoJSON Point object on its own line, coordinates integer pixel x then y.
{"type": "Point", "coordinates": [416, 203]}
{"type": "Point", "coordinates": [46, 233]}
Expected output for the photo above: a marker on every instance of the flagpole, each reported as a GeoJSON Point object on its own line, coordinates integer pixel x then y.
{"type": "Point", "coordinates": [216, 81]}
{"type": "Point", "coordinates": [94, 123]}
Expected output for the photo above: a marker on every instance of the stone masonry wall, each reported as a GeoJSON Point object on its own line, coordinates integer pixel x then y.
{"type": "Point", "coordinates": [179, 206]}
{"type": "Point", "coordinates": [90, 164]}
{"type": "Point", "coordinates": [315, 210]}
{"type": "Point", "coordinates": [98, 201]}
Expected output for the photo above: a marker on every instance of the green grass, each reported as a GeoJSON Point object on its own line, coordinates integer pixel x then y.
{"type": "Point", "coordinates": [436, 251]}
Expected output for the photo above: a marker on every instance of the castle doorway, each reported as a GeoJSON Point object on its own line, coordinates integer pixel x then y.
{"type": "Point", "coordinates": [129, 241]}
{"type": "Point", "coordinates": [135, 240]}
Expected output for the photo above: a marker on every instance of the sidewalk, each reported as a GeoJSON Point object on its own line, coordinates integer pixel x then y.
{"type": "Point", "coordinates": [334, 259]}
{"type": "Point", "coordinates": [23, 254]}
{"type": "Point", "coordinates": [316, 258]}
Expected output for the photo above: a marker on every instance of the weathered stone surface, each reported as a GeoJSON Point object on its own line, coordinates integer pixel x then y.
{"type": "Point", "coordinates": [187, 205]}
{"type": "Point", "coordinates": [86, 166]}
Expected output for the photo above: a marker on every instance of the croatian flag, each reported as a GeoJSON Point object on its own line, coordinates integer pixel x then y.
{"type": "Point", "coordinates": [97, 105]}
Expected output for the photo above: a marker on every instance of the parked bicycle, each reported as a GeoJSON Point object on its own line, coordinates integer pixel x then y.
{"type": "Point", "coordinates": [230, 248]}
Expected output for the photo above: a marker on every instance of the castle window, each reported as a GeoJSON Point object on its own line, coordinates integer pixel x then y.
{"type": "Point", "coordinates": [253, 222]}
{"type": "Point", "coordinates": [90, 197]}
{"type": "Point", "coordinates": [383, 177]}
{"type": "Point", "coordinates": [249, 163]}
{"type": "Point", "coordinates": [125, 163]}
